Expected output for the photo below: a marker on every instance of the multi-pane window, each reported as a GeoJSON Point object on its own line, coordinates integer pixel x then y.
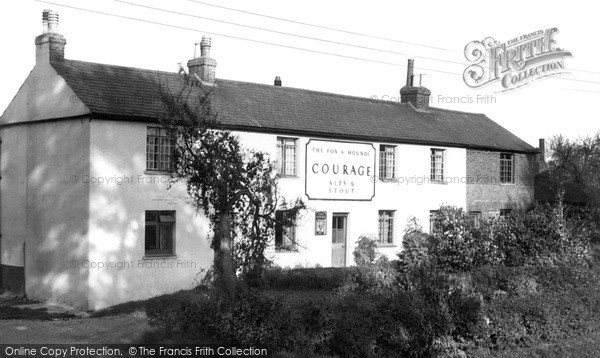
{"type": "Point", "coordinates": [160, 232]}
{"type": "Point", "coordinates": [159, 147]}
{"type": "Point", "coordinates": [437, 165]}
{"type": "Point", "coordinates": [475, 216]}
{"type": "Point", "coordinates": [387, 161]}
{"type": "Point", "coordinates": [505, 212]}
{"type": "Point", "coordinates": [386, 227]}
{"type": "Point", "coordinates": [285, 230]}
{"type": "Point", "coordinates": [507, 168]}
{"type": "Point", "coordinates": [286, 156]}
{"type": "Point", "coordinates": [432, 215]}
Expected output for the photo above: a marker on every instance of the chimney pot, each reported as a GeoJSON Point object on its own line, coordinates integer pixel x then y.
{"type": "Point", "coordinates": [205, 46]}
{"type": "Point", "coordinates": [52, 18]}
{"type": "Point", "coordinates": [45, 21]}
{"type": "Point", "coordinates": [277, 81]}
{"type": "Point", "coordinates": [197, 50]}
{"type": "Point", "coordinates": [50, 45]}
{"type": "Point", "coordinates": [409, 72]}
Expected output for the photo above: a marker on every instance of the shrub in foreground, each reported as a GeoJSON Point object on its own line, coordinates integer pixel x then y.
{"type": "Point", "coordinates": [422, 312]}
{"type": "Point", "coordinates": [319, 278]}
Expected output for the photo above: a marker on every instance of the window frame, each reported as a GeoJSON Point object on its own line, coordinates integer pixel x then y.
{"type": "Point", "coordinates": [282, 164]}
{"type": "Point", "coordinates": [432, 215]}
{"type": "Point", "coordinates": [433, 172]}
{"type": "Point", "coordinates": [389, 237]}
{"type": "Point", "coordinates": [503, 169]}
{"type": "Point", "coordinates": [384, 162]}
{"type": "Point", "coordinates": [280, 231]}
{"type": "Point", "coordinates": [476, 216]}
{"type": "Point", "coordinates": [504, 213]}
{"type": "Point", "coordinates": [158, 152]}
{"type": "Point", "coordinates": [157, 224]}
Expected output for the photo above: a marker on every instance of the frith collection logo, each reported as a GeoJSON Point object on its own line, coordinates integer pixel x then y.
{"type": "Point", "coordinates": [516, 62]}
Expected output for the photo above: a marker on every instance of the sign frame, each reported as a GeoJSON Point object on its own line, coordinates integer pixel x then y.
{"type": "Point", "coordinates": [321, 223]}
{"type": "Point", "coordinates": [373, 179]}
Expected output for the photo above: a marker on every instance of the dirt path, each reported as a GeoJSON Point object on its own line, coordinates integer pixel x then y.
{"type": "Point", "coordinates": [126, 328]}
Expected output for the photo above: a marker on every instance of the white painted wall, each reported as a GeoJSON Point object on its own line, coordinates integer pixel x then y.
{"type": "Point", "coordinates": [409, 196]}
{"type": "Point", "coordinates": [116, 234]}
{"type": "Point", "coordinates": [43, 215]}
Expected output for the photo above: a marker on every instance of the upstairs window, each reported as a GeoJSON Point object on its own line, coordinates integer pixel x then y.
{"type": "Point", "coordinates": [160, 232]}
{"type": "Point", "coordinates": [386, 227]}
{"type": "Point", "coordinates": [507, 165]}
{"type": "Point", "coordinates": [285, 230]}
{"type": "Point", "coordinates": [437, 165]}
{"type": "Point", "coordinates": [286, 156]}
{"type": "Point", "coordinates": [159, 148]}
{"type": "Point", "coordinates": [387, 161]}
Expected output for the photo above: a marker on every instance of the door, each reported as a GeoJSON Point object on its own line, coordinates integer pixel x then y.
{"type": "Point", "coordinates": [338, 240]}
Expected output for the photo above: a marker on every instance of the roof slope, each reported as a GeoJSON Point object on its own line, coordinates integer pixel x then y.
{"type": "Point", "coordinates": [131, 93]}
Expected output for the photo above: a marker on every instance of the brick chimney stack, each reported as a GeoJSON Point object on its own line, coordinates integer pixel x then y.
{"type": "Point", "coordinates": [50, 45]}
{"type": "Point", "coordinates": [413, 92]}
{"type": "Point", "coordinates": [203, 66]}
{"type": "Point", "coordinates": [541, 155]}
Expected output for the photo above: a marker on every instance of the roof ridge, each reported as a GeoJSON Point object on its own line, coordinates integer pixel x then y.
{"type": "Point", "coordinates": [458, 111]}
{"type": "Point", "coordinates": [333, 94]}
{"type": "Point", "coordinates": [110, 65]}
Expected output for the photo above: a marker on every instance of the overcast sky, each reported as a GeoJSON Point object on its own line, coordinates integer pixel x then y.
{"type": "Point", "coordinates": [546, 107]}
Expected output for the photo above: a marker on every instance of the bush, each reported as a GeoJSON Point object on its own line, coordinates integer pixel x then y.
{"type": "Point", "coordinates": [457, 244]}
{"type": "Point", "coordinates": [375, 319]}
{"type": "Point", "coordinates": [365, 251]}
{"type": "Point", "coordinates": [319, 278]}
{"type": "Point", "coordinates": [379, 277]}
{"type": "Point", "coordinates": [181, 311]}
{"type": "Point", "coordinates": [382, 312]}
{"type": "Point", "coordinates": [415, 247]}
{"type": "Point", "coordinates": [531, 305]}
{"type": "Point", "coordinates": [543, 236]}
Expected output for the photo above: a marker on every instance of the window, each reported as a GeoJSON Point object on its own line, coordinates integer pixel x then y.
{"type": "Point", "coordinates": [387, 161]}
{"type": "Point", "coordinates": [286, 156]}
{"type": "Point", "coordinates": [437, 165]}
{"type": "Point", "coordinates": [386, 227]}
{"type": "Point", "coordinates": [507, 164]}
{"type": "Point", "coordinates": [160, 232]}
{"type": "Point", "coordinates": [285, 230]}
{"type": "Point", "coordinates": [159, 147]}
{"type": "Point", "coordinates": [476, 217]}
{"type": "Point", "coordinates": [505, 212]}
{"type": "Point", "coordinates": [432, 215]}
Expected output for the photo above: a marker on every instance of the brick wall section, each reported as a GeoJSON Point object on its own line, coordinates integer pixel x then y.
{"type": "Point", "coordinates": [486, 194]}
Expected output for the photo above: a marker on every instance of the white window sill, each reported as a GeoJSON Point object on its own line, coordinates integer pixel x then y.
{"type": "Point", "coordinates": [284, 251]}
{"type": "Point", "coordinates": [159, 172]}
{"type": "Point", "coordinates": [159, 257]}
{"type": "Point", "coordinates": [387, 245]}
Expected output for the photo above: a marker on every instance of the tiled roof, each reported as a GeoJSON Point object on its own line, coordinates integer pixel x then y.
{"type": "Point", "coordinates": [132, 93]}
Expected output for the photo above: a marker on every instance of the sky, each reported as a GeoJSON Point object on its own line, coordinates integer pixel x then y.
{"type": "Point", "coordinates": [434, 33]}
